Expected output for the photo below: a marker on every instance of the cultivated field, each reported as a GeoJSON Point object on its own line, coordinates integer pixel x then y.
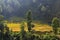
{"type": "Point", "coordinates": [38, 27]}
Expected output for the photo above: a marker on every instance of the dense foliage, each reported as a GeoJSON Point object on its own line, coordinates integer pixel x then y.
{"type": "Point", "coordinates": [29, 20]}
{"type": "Point", "coordinates": [55, 24]}
{"type": "Point", "coordinates": [6, 34]}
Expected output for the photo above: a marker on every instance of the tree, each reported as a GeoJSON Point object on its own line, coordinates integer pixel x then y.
{"type": "Point", "coordinates": [1, 27]}
{"type": "Point", "coordinates": [22, 33]}
{"type": "Point", "coordinates": [29, 20]}
{"type": "Point", "coordinates": [1, 23]}
{"type": "Point", "coordinates": [2, 31]}
{"type": "Point", "coordinates": [6, 35]}
{"type": "Point", "coordinates": [55, 24]}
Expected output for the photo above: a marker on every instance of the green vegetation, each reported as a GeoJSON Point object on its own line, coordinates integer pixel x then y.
{"type": "Point", "coordinates": [8, 34]}
{"type": "Point", "coordinates": [29, 20]}
{"type": "Point", "coordinates": [55, 24]}
{"type": "Point", "coordinates": [22, 33]}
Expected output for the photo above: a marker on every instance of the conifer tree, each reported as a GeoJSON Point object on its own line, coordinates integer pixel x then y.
{"type": "Point", "coordinates": [29, 20]}
{"type": "Point", "coordinates": [55, 24]}
{"type": "Point", "coordinates": [1, 27]}
{"type": "Point", "coordinates": [6, 35]}
{"type": "Point", "coordinates": [22, 33]}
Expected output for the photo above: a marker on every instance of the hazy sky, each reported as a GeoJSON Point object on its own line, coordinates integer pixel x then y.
{"type": "Point", "coordinates": [9, 5]}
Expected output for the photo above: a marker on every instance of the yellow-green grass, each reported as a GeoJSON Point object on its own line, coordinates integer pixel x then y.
{"type": "Point", "coordinates": [38, 27]}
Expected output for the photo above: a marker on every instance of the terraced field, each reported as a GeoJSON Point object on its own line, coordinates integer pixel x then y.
{"type": "Point", "coordinates": [38, 27]}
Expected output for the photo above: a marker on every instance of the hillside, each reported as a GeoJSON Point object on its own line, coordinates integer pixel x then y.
{"type": "Point", "coordinates": [38, 27]}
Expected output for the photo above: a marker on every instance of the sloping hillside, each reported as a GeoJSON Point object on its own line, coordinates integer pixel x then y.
{"type": "Point", "coordinates": [38, 27]}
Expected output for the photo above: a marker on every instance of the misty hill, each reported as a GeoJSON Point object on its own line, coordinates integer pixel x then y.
{"type": "Point", "coordinates": [43, 10]}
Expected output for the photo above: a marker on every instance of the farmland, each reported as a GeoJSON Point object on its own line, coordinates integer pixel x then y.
{"type": "Point", "coordinates": [38, 27]}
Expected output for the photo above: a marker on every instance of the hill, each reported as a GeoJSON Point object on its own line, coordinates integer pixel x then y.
{"type": "Point", "coordinates": [43, 10]}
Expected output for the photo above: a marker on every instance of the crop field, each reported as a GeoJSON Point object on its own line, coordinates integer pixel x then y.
{"type": "Point", "coordinates": [37, 27]}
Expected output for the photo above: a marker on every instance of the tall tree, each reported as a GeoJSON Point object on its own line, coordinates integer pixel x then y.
{"type": "Point", "coordinates": [22, 32]}
{"type": "Point", "coordinates": [29, 20]}
{"type": "Point", "coordinates": [55, 24]}
{"type": "Point", "coordinates": [1, 27]}
{"type": "Point", "coordinates": [6, 35]}
{"type": "Point", "coordinates": [9, 33]}
{"type": "Point", "coordinates": [2, 31]}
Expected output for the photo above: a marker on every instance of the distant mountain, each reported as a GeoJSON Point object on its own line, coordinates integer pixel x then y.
{"type": "Point", "coordinates": [43, 10]}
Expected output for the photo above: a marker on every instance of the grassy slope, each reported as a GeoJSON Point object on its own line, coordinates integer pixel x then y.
{"type": "Point", "coordinates": [38, 27]}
